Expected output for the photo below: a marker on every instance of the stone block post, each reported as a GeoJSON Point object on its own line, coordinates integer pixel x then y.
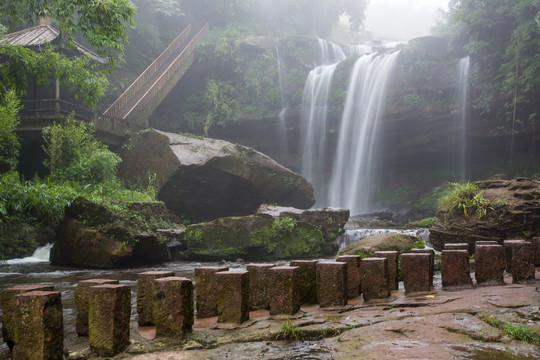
{"type": "Point", "coordinates": [82, 296]}
{"type": "Point", "coordinates": [259, 278]}
{"type": "Point", "coordinates": [455, 268]}
{"type": "Point", "coordinates": [522, 262]}
{"type": "Point", "coordinates": [233, 296]}
{"type": "Point", "coordinates": [375, 278]}
{"type": "Point", "coordinates": [7, 302]}
{"type": "Point", "coordinates": [145, 295]}
{"type": "Point", "coordinates": [307, 280]}
{"type": "Point", "coordinates": [332, 284]}
{"type": "Point", "coordinates": [536, 248]}
{"type": "Point", "coordinates": [108, 319]}
{"type": "Point", "coordinates": [353, 274]}
{"type": "Point", "coordinates": [285, 299]}
{"type": "Point", "coordinates": [508, 245]}
{"type": "Point", "coordinates": [38, 326]}
{"type": "Point", "coordinates": [393, 275]}
{"type": "Point", "coordinates": [415, 269]}
{"type": "Point", "coordinates": [486, 242]}
{"type": "Point", "coordinates": [173, 306]}
{"type": "Point", "coordinates": [206, 290]}
{"type": "Point", "coordinates": [489, 265]}
{"type": "Point", "coordinates": [431, 253]}
{"type": "Point", "coordinates": [456, 246]}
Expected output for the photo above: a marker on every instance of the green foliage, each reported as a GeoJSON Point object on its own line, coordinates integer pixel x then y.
{"type": "Point", "coordinates": [9, 119]}
{"type": "Point", "coordinates": [502, 38]}
{"type": "Point", "coordinates": [75, 154]}
{"type": "Point", "coordinates": [419, 244]}
{"type": "Point", "coordinates": [285, 238]}
{"type": "Point", "coordinates": [102, 25]}
{"type": "Point", "coordinates": [515, 331]}
{"type": "Point", "coordinates": [288, 331]}
{"type": "Point", "coordinates": [464, 198]}
{"type": "Point", "coordinates": [424, 223]}
{"type": "Point", "coordinates": [220, 104]}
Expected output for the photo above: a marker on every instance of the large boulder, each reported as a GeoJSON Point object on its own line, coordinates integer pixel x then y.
{"type": "Point", "coordinates": [384, 242]}
{"type": "Point", "coordinates": [205, 179]}
{"type": "Point", "coordinates": [513, 212]}
{"type": "Point", "coordinates": [253, 237]}
{"type": "Point", "coordinates": [98, 236]}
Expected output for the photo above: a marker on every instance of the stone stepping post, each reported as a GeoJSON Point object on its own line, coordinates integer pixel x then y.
{"type": "Point", "coordinates": [457, 246]}
{"type": "Point", "coordinates": [82, 296]}
{"type": "Point", "coordinates": [285, 299]}
{"type": "Point", "coordinates": [486, 242]}
{"type": "Point", "coordinates": [108, 319]}
{"type": "Point", "coordinates": [375, 278]}
{"type": "Point", "coordinates": [173, 306]}
{"type": "Point", "coordinates": [455, 268]}
{"type": "Point", "coordinates": [331, 284]}
{"type": "Point", "coordinates": [206, 290]}
{"type": "Point", "coordinates": [431, 253]}
{"type": "Point", "coordinates": [522, 262]}
{"type": "Point", "coordinates": [508, 245]}
{"type": "Point", "coordinates": [307, 280]}
{"type": "Point", "coordinates": [415, 269]}
{"type": "Point", "coordinates": [7, 303]}
{"type": "Point", "coordinates": [259, 278]}
{"type": "Point", "coordinates": [232, 296]}
{"type": "Point", "coordinates": [536, 248]}
{"type": "Point", "coordinates": [38, 326]}
{"type": "Point", "coordinates": [489, 265]}
{"type": "Point", "coordinates": [353, 274]}
{"type": "Point", "coordinates": [393, 275]}
{"type": "Point", "coordinates": [145, 295]}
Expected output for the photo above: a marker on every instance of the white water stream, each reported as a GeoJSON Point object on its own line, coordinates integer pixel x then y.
{"type": "Point", "coordinates": [463, 124]}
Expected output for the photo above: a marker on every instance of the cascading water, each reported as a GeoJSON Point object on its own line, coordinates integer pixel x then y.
{"type": "Point", "coordinates": [354, 168]}
{"type": "Point", "coordinates": [462, 127]}
{"type": "Point", "coordinates": [314, 112]}
{"type": "Point", "coordinates": [282, 117]}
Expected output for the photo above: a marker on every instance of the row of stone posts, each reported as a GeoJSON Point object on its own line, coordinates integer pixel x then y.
{"type": "Point", "coordinates": [33, 320]}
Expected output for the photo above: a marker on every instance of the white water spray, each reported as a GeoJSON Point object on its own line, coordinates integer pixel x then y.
{"type": "Point", "coordinates": [41, 254]}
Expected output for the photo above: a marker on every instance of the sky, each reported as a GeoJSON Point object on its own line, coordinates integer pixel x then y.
{"type": "Point", "coordinates": [402, 19]}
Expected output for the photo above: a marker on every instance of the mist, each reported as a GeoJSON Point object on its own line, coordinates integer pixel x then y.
{"type": "Point", "coordinates": [402, 19]}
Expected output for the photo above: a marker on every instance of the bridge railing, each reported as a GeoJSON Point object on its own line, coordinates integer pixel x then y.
{"type": "Point", "coordinates": [148, 96]}
{"type": "Point", "coordinates": [116, 125]}
{"type": "Point", "coordinates": [54, 107]}
{"type": "Point", "coordinates": [127, 96]}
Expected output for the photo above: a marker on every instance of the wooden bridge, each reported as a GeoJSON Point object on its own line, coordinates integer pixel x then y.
{"type": "Point", "coordinates": [130, 112]}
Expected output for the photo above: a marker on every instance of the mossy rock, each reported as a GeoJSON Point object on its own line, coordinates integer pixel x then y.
{"type": "Point", "coordinates": [253, 237]}
{"type": "Point", "coordinates": [385, 242]}
{"type": "Point", "coordinates": [116, 235]}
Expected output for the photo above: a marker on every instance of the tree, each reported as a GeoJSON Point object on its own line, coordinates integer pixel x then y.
{"type": "Point", "coordinates": [101, 24]}
{"type": "Point", "coordinates": [9, 144]}
{"type": "Point", "coordinates": [503, 38]}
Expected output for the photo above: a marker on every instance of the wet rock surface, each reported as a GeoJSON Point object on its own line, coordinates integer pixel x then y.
{"type": "Point", "coordinates": [206, 179]}
{"type": "Point", "coordinates": [445, 324]}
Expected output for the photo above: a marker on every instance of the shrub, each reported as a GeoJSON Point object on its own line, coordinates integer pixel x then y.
{"type": "Point", "coordinates": [75, 154]}
{"type": "Point", "coordinates": [466, 198]}
{"type": "Point", "coordinates": [9, 144]}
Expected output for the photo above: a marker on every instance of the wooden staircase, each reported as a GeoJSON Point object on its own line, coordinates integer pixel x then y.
{"type": "Point", "coordinates": [130, 112]}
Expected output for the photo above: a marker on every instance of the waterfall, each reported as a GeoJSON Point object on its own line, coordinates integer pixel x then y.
{"type": "Point", "coordinates": [41, 254]}
{"type": "Point", "coordinates": [354, 168]}
{"type": "Point", "coordinates": [313, 125]}
{"type": "Point", "coordinates": [314, 113]}
{"type": "Point", "coordinates": [282, 117]}
{"type": "Point", "coordinates": [463, 125]}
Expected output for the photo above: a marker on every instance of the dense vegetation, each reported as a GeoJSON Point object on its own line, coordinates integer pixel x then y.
{"type": "Point", "coordinates": [502, 38]}
{"type": "Point", "coordinates": [79, 165]}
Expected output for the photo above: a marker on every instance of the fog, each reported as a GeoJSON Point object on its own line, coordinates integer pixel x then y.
{"type": "Point", "coordinates": [402, 19]}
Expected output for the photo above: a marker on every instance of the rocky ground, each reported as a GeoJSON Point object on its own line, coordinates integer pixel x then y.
{"type": "Point", "coordinates": [439, 325]}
